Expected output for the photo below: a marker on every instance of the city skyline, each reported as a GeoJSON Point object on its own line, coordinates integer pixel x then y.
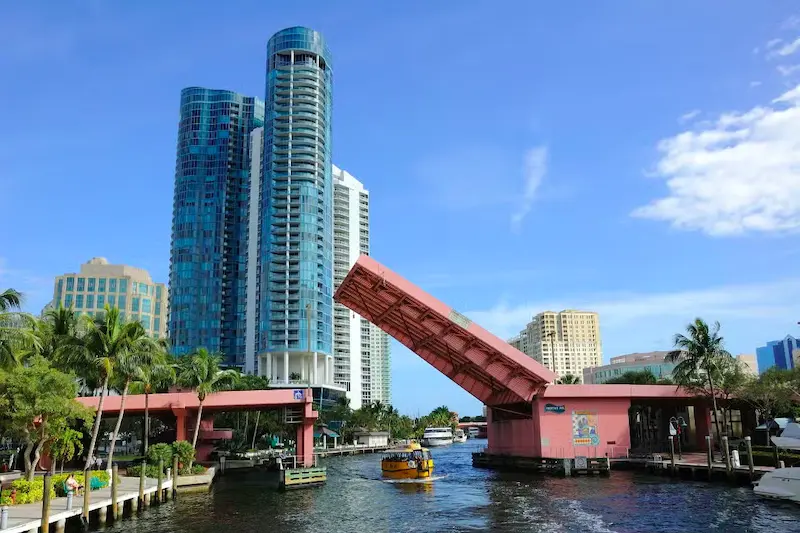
{"type": "Point", "coordinates": [569, 200]}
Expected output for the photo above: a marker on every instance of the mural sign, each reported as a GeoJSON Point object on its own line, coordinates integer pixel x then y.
{"type": "Point", "coordinates": [550, 408]}
{"type": "Point", "coordinates": [299, 394]}
{"type": "Point", "coordinates": [585, 428]}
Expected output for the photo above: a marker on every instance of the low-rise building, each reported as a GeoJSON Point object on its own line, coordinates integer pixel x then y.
{"type": "Point", "coordinates": [655, 362]}
{"type": "Point", "coordinates": [128, 288]}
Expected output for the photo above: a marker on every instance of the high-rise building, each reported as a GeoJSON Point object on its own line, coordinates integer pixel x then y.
{"type": "Point", "coordinates": [565, 342]}
{"type": "Point", "coordinates": [130, 289]}
{"type": "Point", "coordinates": [208, 258]}
{"type": "Point", "coordinates": [748, 362]}
{"type": "Point", "coordinates": [294, 323]}
{"type": "Point", "coordinates": [361, 349]}
{"type": "Point", "coordinates": [783, 354]}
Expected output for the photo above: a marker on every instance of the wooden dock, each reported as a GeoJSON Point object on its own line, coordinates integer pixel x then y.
{"type": "Point", "coordinates": [693, 466]}
{"type": "Point", "coordinates": [558, 467]}
{"type": "Point", "coordinates": [28, 517]}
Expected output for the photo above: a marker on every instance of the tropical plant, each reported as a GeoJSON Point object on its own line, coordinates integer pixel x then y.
{"type": "Point", "coordinates": [699, 356]}
{"type": "Point", "coordinates": [65, 447]}
{"type": "Point", "coordinates": [156, 376]}
{"type": "Point", "coordinates": [771, 393]}
{"type": "Point", "coordinates": [201, 371]}
{"type": "Point", "coordinates": [17, 340]}
{"type": "Point", "coordinates": [569, 379]}
{"type": "Point", "coordinates": [40, 405]}
{"type": "Point", "coordinates": [109, 344]}
{"type": "Point", "coordinates": [184, 451]}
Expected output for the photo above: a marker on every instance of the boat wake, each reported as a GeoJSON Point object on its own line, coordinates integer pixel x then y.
{"type": "Point", "coordinates": [423, 480]}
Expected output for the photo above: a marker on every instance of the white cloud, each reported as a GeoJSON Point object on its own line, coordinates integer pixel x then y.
{"type": "Point", "coordinates": [738, 174]}
{"type": "Point", "coordinates": [686, 117]}
{"type": "Point", "coordinates": [630, 321]}
{"type": "Point", "coordinates": [773, 43]}
{"type": "Point", "coordinates": [535, 168]}
{"type": "Point", "coordinates": [785, 50]}
{"type": "Point", "coordinates": [788, 70]}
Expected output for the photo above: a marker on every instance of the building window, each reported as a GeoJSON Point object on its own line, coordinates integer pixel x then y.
{"type": "Point", "coordinates": [70, 284]}
{"type": "Point", "coordinates": [122, 304]}
{"type": "Point", "coordinates": [145, 320]}
{"type": "Point", "coordinates": [101, 285]}
{"type": "Point", "coordinates": [112, 300]}
{"type": "Point", "coordinates": [90, 282]}
{"type": "Point", "coordinates": [157, 324]}
{"type": "Point", "coordinates": [123, 285]}
{"type": "Point", "coordinates": [81, 284]}
{"type": "Point", "coordinates": [90, 301]}
{"type": "Point", "coordinates": [68, 300]}
{"type": "Point", "coordinates": [146, 305]}
{"type": "Point", "coordinates": [101, 301]}
{"type": "Point", "coordinates": [112, 285]}
{"type": "Point", "coordinates": [135, 305]}
{"type": "Point", "coordinates": [158, 292]}
{"type": "Point", "coordinates": [158, 308]}
{"type": "Point", "coordinates": [79, 301]}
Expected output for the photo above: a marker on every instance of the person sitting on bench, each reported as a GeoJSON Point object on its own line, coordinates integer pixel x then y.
{"type": "Point", "coordinates": [72, 484]}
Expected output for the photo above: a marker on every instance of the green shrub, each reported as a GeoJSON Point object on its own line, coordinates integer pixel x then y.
{"type": "Point", "coordinates": [136, 471]}
{"type": "Point", "coordinates": [160, 452]}
{"type": "Point", "coordinates": [30, 491]}
{"type": "Point", "coordinates": [185, 452]}
{"type": "Point", "coordinates": [194, 471]}
{"type": "Point", "coordinates": [5, 497]}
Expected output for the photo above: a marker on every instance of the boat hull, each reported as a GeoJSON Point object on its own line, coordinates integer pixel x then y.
{"type": "Point", "coordinates": [405, 470]}
{"type": "Point", "coordinates": [780, 484]}
{"type": "Point", "coordinates": [434, 442]}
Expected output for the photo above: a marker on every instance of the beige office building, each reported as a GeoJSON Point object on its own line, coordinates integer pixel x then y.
{"type": "Point", "coordinates": [131, 289]}
{"type": "Point", "coordinates": [565, 342]}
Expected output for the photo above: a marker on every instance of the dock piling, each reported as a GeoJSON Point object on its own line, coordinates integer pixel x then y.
{"type": "Point", "coordinates": [4, 517]}
{"type": "Point", "coordinates": [114, 492]}
{"type": "Point", "coordinates": [709, 455]}
{"type": "Point", "coordinates": [47, 486]}
{"type": "Point", "coordinates": [87, 489]}
{"type": "Point", "coordinates": [69, 501]}
{"type": "Point", "coordinates": [160, 490]}
{"type": "Point", "coordinates": [141, 484]}
{"type": "Point", "coordinates": [726, 450]}
{"type": "Point", "coordinates": [750, 460]}
{"type": "Point", "coordinates": [672, 453]}
{"type": "Point", "coordinates": [175, 476]}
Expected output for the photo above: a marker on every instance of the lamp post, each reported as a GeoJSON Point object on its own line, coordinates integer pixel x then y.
{"type": "Point", "coordinates": [677, 424]}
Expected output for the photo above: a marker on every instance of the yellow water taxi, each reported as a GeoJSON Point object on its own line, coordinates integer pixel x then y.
{"type": "Point", "coordinates": [410, 462]}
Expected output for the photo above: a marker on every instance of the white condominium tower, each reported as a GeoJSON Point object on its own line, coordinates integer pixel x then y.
{"type": "Point", "coordinates": [360, 349]}
{"type": "Point", "coordinates": [565, 342]}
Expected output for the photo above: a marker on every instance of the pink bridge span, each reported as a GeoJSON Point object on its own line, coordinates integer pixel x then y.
{"type": "Point", "coordinates": [528, 416]}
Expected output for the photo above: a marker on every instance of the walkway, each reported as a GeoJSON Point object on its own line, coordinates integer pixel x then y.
{"type": "Point", "coordinates": [28, 517]}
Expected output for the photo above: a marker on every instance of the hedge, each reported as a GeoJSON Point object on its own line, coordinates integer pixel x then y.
{"type": "Point", "coordinates": [33, 491]}
{"type": "Point", "coordinates": [152, 470]}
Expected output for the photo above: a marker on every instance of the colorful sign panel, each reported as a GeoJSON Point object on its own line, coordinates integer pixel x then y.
{"type": "Point", "coordinates": [585, 428]}
{"type": "Point", "coordinates": [299, 394]}
{"type": "Point", "coordinates": [550, 408]}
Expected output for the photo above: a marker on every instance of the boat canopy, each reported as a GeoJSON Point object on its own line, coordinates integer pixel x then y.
{"type": "Point", "coordinates": [790, 437]}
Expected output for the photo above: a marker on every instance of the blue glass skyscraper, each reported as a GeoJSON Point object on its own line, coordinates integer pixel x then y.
{"type": "Point", "coordinates": [296, 241]}
{"type": "Point", "coordinates": [209, 222]}
{"type": "Point", "coordinates": [778, 353]}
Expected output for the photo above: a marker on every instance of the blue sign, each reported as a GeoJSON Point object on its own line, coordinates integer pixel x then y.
{"type": "Point", "coordinates": [550, 408]}
{"type": "Point", "coordinates": [299, 394]}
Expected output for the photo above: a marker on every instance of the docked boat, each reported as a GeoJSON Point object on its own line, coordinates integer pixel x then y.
{"type": "Point", "coordinates": [410, 462]}
{"type": "Point", "coordinates": [460, 436]}
{"type": "Point", "coordinates": [473, 432]}
{"type": "Point", "coordinates": [782, 483]}
{"type": "Point", "coordinates": [437, 437]}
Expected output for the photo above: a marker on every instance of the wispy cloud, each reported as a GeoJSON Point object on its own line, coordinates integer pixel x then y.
{"type": "Point", "coordinates": [535, 168]}
{"type": "Point", "coordinates": [788, 70]}
{"type": "Point", "coordinates": [663, 311]}
{"type": "Point", "coordinates": [739, 174]}
{"type": "Point", "coordinates": [785, 49]}
{"type": "Point", "coordinates": [792, 23]}
{"type": "Point", "coordinates": [686, 117]}
{"type": "Point", "coordinates": [755, 83]}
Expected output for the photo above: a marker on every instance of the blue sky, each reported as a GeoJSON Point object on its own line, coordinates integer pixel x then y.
{"type": "Point", "coordinates": [639, 159]}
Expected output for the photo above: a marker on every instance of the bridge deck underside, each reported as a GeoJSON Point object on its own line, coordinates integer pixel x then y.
{"type": "Point", "coordinates": [485, 366]}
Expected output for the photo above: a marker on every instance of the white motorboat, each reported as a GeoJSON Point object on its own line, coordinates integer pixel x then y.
{"type": "Point", "coordinates": [437, 437]}
{"type": "Point", "coordinates": [782, 483]}
{"type": "Point", "coordinates": [460, 436]}
{"type": "Point", "coordinates": [473, 432]}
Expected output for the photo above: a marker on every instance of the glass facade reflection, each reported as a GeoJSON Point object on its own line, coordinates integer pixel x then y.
{"type": "Point", "coordinates": [209, 221]}
{"type": "Point", "coordinates": [295, 259]}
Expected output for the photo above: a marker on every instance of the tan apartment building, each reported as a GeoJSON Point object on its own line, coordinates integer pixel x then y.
{"type": "Point", "coordinates": [130, 289]}
{"type": "Point", "coordinates": [565, 342]}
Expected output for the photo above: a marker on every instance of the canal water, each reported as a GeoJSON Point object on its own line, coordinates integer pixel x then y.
{"type": "Point", "coordinates": [356, 500]}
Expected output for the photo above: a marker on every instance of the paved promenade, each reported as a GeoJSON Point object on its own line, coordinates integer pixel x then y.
{"type": "Point", "coordinates": [28, 517]}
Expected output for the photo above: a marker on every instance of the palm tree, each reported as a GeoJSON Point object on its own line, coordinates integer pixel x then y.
{"type": "Point", "coordinates": [699, 356]}
{"type": "Point", "coordinates": [201, 371]}
{"type": "Point", "coordinates": [157, 375]}
{"type": "Point", "coordinates": [569, 379]}
{"type": "Point", "coordinates": [142, 353]}
{"type": "Point", "coordinates": [17, 340]}
{"type": "Point", "coordinates": [10, 300]}
{"type": "Point", "coordinates": [105, 345]}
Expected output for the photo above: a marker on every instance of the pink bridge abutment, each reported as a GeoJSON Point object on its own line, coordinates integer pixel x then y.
{"type": "Point", "coordinates": [528, 416]}
{"type": "Point", "coordinates": [184, 406]}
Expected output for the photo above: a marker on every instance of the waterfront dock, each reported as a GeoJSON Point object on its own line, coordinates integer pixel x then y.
{"type": "Point", "coordinates": [559, 467]}
{"type": "Point", "coordinates": [693, 466]}
{"type": "Point", "coordinates": [28, 517]}
{"type": "Point", "coordinates": [349, 450]}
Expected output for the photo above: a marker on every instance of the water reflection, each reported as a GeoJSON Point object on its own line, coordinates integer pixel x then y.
{"type": "Point", "coordinates": [356, 499]}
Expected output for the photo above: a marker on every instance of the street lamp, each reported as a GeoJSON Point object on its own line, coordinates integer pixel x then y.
{"type": "Point", "coordinates": [676, 425]}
